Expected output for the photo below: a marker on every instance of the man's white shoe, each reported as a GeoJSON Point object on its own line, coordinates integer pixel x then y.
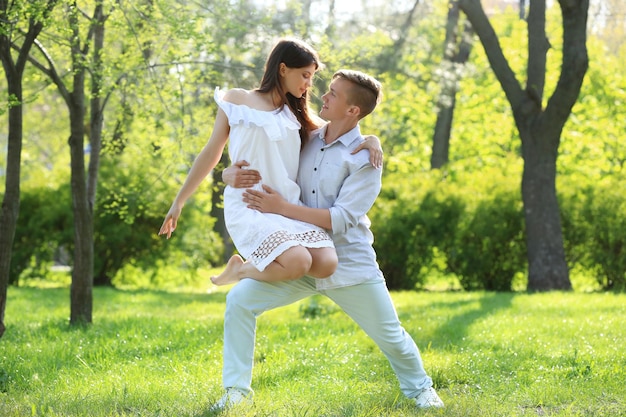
{"type": "Point", "coordinates": [428, 398]}
{"type": "Point", "coordinates": [231, 398]}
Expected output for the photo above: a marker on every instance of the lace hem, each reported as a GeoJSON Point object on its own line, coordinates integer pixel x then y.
{"type": "Point", "coordinates": [284, 240]}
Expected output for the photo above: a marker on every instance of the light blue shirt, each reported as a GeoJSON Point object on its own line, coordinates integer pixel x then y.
{"type": "Point", "coordinates": [348, 185]}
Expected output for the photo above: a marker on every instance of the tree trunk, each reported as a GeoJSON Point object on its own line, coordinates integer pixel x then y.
{"type": "Point", "coordinates": [306, 17]}
{"type": "Point", "coordinates": [455, 55]}
{"type": "Point", "coordinates": [441, 138]}
{"type": "Point", "coordinates": [82, 274]}
{"type": "Point", "coordinates": [547, 267]}
{"type": "Point", "coordinates": [330, 28]}
{"type": "Point", "coordinates": [14, 71]}
{"type": "Point", "coordinates": [96, 120]}
{"type": "Point", "coordinates": [217, 209]}
{"type": "Point", "coordinates": [11, 199]}
{"type": "Point", "coordinates": [390, 57]}
{"type": "Point", "coordinates": [81, 292]}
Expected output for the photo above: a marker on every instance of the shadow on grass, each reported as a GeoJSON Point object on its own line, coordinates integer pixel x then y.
{"type": "Point", "coordinates": [43, 314]}
{"type": "Point", "coordinates": [159, 297]}
{"type": "Point", "coordinates": [129, 327]}
{"type": "Point", "coordinates": [454, 330]}
{"type": "Point", "coordinates": [55, 298]}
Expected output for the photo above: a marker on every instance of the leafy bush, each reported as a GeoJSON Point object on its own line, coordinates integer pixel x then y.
{"type": "Point", "coordinates": [126, 223]}
{"type": "Point", "coordinates": [393, 231]}
{"type": "Point", "coordinates": [593, 214]}
{"type": "Point", "coordinates": [573, 198]}
{"type": "Point", "coordinates": [491, 247]}
{"type": "Point", "coordinates": [44, 227]}
{"type": "Point", "coordinates": [605, 246]}
{"type": "Point", "coordinates": [410, 226]}
{"type": "Point", "coordinates": [475, 229]}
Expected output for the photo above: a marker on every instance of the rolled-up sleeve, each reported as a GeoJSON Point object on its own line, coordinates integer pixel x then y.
{"type": "Point", "coordinates": [356, 197]}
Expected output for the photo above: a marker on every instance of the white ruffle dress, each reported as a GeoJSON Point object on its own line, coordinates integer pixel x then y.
{"type": "Point", "coordinates": [270, 142]}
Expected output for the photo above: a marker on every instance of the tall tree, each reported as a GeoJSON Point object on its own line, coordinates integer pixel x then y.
{"type": "Point", "coordinates": [331, 25]}
{"type": "Point", "coordinates": [390, 58]}
{"type": "Point", "coordinates": [83, 182]}
{"type": "Point", "coordinates": [455, 55]}
{"type": "Point", "coordinates": [81, 297]}
{"type": "Point", "coordinates": [12, 15]}
{"type": "Point", "coordinates": [540, 127]}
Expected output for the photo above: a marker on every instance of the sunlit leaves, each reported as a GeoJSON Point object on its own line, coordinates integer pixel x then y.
{"type": "Point", "coordinates": [592, 145]}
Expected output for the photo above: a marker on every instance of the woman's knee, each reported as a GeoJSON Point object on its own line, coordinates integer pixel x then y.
{"type": "Point", "coordinates": [297, 262]}
{"type": "Point", "coordinates": [325, 262]}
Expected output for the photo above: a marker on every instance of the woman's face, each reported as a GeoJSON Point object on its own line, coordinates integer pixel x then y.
{"type": "Point", "coordinates": [296, 80]}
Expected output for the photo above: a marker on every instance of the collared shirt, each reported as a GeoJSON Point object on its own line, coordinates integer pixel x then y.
{"type": "Point", "coordinates": [330, 177]}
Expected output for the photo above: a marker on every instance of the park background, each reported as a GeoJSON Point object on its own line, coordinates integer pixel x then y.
{"type": "Point", "coordinates": [449, 234]}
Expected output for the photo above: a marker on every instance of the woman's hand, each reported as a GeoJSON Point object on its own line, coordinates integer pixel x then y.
{"type": "Point", "coordinates": [171, 220]}
{"type": "Point", "coordinates": [266, 202]}
{"type": "Point", "coordinates": [372, 144]}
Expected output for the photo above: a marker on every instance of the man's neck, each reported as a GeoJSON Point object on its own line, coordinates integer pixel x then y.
{"type": "Point", "coordinates": [334, 130]}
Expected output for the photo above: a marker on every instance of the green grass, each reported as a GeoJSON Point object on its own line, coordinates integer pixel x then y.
{"type": "Point", "coordinates": [151, 353]}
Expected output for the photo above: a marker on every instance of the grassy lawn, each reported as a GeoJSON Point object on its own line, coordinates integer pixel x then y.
{"type": "Point", "coordinates": [153, 353]}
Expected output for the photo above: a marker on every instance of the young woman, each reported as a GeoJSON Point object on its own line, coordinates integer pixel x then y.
{"type": "Point", "coordinates": [266, 127]}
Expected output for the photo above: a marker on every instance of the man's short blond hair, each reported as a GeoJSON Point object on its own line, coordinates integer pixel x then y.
{"type": "Point", "coordinates": [366, 91]}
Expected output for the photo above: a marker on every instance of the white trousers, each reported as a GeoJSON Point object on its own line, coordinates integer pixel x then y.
{"type": "Point", "coordinates": [369, 305]}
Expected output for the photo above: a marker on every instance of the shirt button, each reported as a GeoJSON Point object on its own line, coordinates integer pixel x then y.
{"type": "Point", "coordinates": [313, 191]}
{"type": "Point", "coordinates": [314, 169]}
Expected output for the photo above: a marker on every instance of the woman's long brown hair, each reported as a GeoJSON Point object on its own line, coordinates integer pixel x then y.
{"type": "Point", "coordinates": [294, 53]}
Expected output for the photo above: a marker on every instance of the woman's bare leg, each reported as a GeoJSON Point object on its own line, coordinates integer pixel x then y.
{"type": "Point", "coordinates": [324, 262]}
{"type": "Point", "coordinates": [291, 264]}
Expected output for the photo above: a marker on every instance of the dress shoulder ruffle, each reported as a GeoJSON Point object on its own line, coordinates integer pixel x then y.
{"type": "Point", "coordinates": [270, 121]}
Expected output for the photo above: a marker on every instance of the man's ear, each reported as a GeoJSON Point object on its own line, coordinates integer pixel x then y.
{"type": "Point", "coordinates": [354, 111]}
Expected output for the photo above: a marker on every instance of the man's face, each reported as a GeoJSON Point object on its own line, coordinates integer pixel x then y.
{"type": "Point", "coordinates": [335, 101]}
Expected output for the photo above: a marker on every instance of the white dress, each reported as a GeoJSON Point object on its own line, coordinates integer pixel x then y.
{"type": "Point", "coordinates": [270, 142]}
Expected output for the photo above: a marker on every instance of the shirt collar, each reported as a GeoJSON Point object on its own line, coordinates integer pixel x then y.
{"type": "Point", "coordinates": [346, 139]}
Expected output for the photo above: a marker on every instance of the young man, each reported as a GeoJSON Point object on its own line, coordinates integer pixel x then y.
{"type": "Point", "coordinates": [338, 189]}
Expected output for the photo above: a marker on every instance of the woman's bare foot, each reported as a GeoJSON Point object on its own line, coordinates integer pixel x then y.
{"type": "Point", "coordinates": [230, 274]}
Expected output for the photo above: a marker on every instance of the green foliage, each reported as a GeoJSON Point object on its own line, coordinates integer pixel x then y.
{"type": "Point", "coordinates": [127, 223]}
{"type": "Point", "coordinates": [475, 230]}
{"type": "Point", "coordinates": [592, 142]}
{"type": "Point", "coordinates": [443, 223]}
{"type": "Point", "coordinates": [316, 308]}
{"type": "Point", "coordinates": [163, 60]}
{"type": "Point", "coordinates": [44, 232]}
{"type": "Point", "coordinates": [404, 121]}
{"type": "Point", "coordinates": [573, 197]}
{"type": "Point", "coordinates": [490, 248]}
{"type": "Point", "coordinates": [595, 225]}
{"type": "Point", "coordinates": [392, 237]}
{"type": "Point", "coordinates": [410, 224]}
{"type": "Point", "coordinates": [154, 353]}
